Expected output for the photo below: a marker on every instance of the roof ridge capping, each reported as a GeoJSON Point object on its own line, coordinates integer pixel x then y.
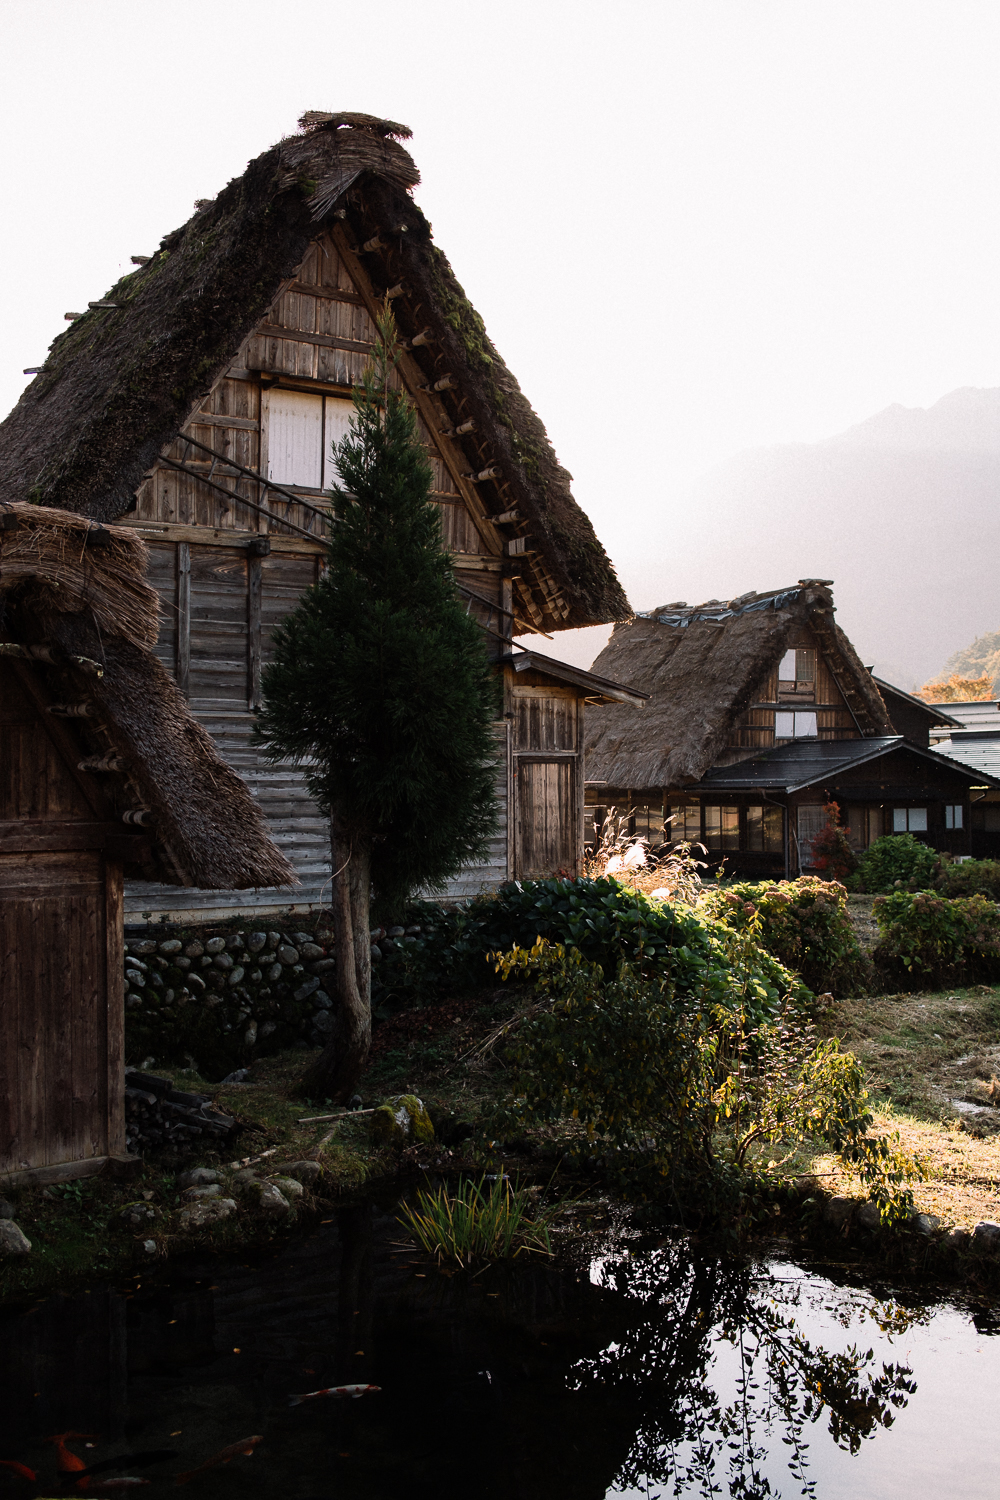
{"type": "Point", "coordinates": [319, 119]}
{"type": "Point", "coordinates": [682, 613]}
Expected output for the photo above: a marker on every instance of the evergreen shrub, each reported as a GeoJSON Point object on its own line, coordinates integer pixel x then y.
{"type": "Point", "coordinates": [894, 857]}
{"type": "Point", "coordinates": [603, 921]}
{"type": "Point", "coordinates": [923, 936]}
{"type": "Point", "coordinates": [974, 877]}
{"type": "Point", "coordinates": [804, 924]}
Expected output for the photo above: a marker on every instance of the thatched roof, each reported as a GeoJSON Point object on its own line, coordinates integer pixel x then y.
{"type": "Point", "coordinates": [122, 380]}
{"type": "Point", "coordinates": [701, 666]}
{"type": "Point", "coordinates": [74, 599]}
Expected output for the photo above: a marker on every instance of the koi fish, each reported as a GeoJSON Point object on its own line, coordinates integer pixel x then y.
{"type": "Point", "coordinates": [21, 1469]}
{"type": "Point", "coordinates": [354, 1391]}
{"type": "Point", "coordinates": [130, 1460]}
{"type": "Point", "coordinates": [245, 1446]}
{"type": "Point", "coordinates": [66, 1461]}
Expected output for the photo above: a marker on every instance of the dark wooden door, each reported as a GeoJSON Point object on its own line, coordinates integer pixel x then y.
{"type": "Point", "coordinates": [546, 818]}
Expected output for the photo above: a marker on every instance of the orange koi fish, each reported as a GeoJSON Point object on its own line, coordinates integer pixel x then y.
{"type": "Point", "coordinates": [354, 1391]}
{"type": "Point", "coordinates": [245, 1446]}
{"type": "Point", "coordinates": [67, 1462]}
{"type": "Point", "coordinates": [21, 1469]}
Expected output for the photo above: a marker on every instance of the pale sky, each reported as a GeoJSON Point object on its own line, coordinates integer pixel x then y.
{"type": "Point", "coordinates": [691, 228]}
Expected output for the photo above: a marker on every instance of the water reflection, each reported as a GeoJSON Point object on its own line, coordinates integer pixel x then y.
{"type": "Point", "coordinates": [659, 1369]}
{"type": "Point", "coordinates": [677, 1312]}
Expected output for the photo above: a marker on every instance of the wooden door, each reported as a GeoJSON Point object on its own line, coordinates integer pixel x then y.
{"type": "Point", "coordinates": [546, 818]}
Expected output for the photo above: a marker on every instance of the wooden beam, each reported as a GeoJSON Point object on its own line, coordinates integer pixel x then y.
{"type": "Point", "coordinates": [62, 737]}
{"type": "Point", "coordinates": [218, 419]}
{"type": "Point", "coordinates": [24, 836]}
{"type": "Point", "coordinates": [217, 536]}
{"type": "Point", "coordinates": [300, 336]}
{"type": "Point", "coordinates": [453, 457]}
{"type": "Point", "coordinates": [254, 606]}
{"type": "Point", "coordinates": [183, 651]}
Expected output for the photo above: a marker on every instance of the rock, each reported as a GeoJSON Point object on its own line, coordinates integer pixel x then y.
{"type": "Point", "coordinates": [274, 973]}
{"type": "Point", "coordinates": [201, 1214]}
{"type": "Point", "coordinates": [13, 1241]}
{"type": "Point", "coordinates": [195, 1194]}
{"type": "Point", "coordinates": [256, 941]}
{"type": "Point", "coordinates": [194, 949]}
{"type": "Point", "coordinates": [234, 944]}
{"type": "Point", "coordinates": [323, 1020]}
{"type": "Point", "coordinates": [137, 1215]}
{"type": "Point", "coordinates": [987, 1234]}
{"type": "Point", "coordinates": [957, 1239]}
{"type": "Point", "coordinates": [240, 1076]}
{"type": "Point", "coordinates": [135, 979]}
{"type": "Point", "coordinates": [376, 953]}
{"type": "Point", "coordinates": [395, 932]}
{"type": "Point", "coordinates": [143, 948]}
{"type": "Point", "coordinates": [925, 1224]}
{"type": "Point", "coordinates": [215, 945]}
{"type": "Point", "coordinates": [837, 1213]}
{"type": "Point", "coordinates": [198, 1176]}
{"type": "Point", "coordinates": [310, 951]}
{"type": "Point", "coordinates": [236, 977]}
{"type": "Point", "coordinates": [304, 1171]}
{"type": "Point", "coordinates": [172, 945]}
{"type": "Point", "coordinates": [245, 1177]}
{"type": "Point", "coordinates": [400, 1121]}
{"type": "Point", "coordinates": [324, 966]}
{"type": "Point", "coordinates": [6, 1209]}
{"type": "Point", "coordinates": [270, 1200]}
{"type": "Point", "coordinates": [223, 961]}
{"type": "Point", "coordinates": [149, 1246]}
{"type": "Point", "coordinates": [268, 1027]}
{"type": "Point", "coordinates": [306, 989]}
{"type": "Point", "coordinates": [290, 1186]}
{"type": "Point", "coordinates": [273, 940]}
{"type": "Point", "coordinates": [287, 954]}
{"type": "Point", "coordinates": [413, 931]}
{"type": "Point", "coordinates": [183, 963]}
{"type": "Point", "coordinates": [250, 1035]}
{"type": "Point", "coordinates": [298, 938]}
{"type": "Point", "coordinates": [868, 1216]}
{"type": "Point", "coordinates": [322, 999]}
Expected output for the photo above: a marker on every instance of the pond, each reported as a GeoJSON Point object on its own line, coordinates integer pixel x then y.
{"type": "Point", "coordinates": [650, 1370]}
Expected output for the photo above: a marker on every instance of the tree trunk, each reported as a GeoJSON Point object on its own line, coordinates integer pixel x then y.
{"type": "Point", "coordinates": [336, 1071]}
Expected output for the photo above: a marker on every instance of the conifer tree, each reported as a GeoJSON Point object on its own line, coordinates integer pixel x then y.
{"type": "Point", "coordinates": [380, 686]}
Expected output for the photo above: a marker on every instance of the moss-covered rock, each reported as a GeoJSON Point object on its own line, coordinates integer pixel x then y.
{"type": "Point", "coordinates": [401, 1121]}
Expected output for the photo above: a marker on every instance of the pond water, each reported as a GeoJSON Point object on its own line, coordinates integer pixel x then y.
{"type": "Point", "coordinates": [649, 1371]}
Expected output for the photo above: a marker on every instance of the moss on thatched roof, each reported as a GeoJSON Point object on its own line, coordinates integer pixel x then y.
{"type": "Point", "coordinates": [702, 666]}
{"type": "Point", "coordinates": [60, 577]}
{"type": "Point", "coordinates": [121, 381]}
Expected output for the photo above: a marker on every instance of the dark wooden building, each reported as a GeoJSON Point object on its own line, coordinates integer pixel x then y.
{"type": "Point", "coordinates": [760, 713]}
{"type": "Point", "coordinates": [103, 773]}
{"type": "Point", "coordinates": [197, 403]}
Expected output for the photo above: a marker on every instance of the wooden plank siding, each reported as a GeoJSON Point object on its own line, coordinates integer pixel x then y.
{"type": "Point", "coordinates": [61, 1004]}
{"type": "Point", "coordinates": [754, 729]}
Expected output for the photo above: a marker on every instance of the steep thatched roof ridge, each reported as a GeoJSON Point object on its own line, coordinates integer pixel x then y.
{"type": "Point", "coordinates": [57, 592]}
{"type": "Point", "coordinates": [122, 380]}
{"type": "Point", "coordinates": [701, 666]}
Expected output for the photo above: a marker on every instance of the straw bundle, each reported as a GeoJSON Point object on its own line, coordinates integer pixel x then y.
{"type": "Point", "coordinates": [51, 563]}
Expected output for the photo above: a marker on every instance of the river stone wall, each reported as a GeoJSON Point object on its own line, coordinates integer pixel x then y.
{"type": "Point", "coordinates": [215, 997]}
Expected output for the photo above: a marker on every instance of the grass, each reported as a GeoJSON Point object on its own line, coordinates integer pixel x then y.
{"type": "Point", "coordinates": [479, 1222]}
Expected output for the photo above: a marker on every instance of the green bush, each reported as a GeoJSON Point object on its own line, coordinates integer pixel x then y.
{"type": "Point", "coordinates": [804, 924]}
{"type": "Point", "coordinates": [972, 878]}
{"type": "Point", "coordinates": [930, 936]}
{"type": "Point", "coordinates": [676, 1101]}
{"type": "Point", "coordinates": [606, 923]}
{"type": "Point", "coordinates": [895, 857]}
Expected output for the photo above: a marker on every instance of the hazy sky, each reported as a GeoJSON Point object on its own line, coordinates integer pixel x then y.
{"type": "Point", "coordinates": [691, 227]}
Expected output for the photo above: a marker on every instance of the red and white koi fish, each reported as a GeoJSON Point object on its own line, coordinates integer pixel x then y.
{"type": "Point", "coordinates": [21, 1469]}
{"type": "Point", "coordinates": [244, 1446]}
{"type": "Point", "coordinates": [354, 1391]}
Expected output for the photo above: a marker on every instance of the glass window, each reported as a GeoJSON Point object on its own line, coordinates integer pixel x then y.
{"type": "Point", "coordinates": [685, 824]}
{"type": "Point", "coordinates": [811, 822]}
{"type": "Point", "coordinates": [786, 667]}
{"type": "Point", "coordinates": [805, 665]}
{"type": "Point", "coordinates": [797, 725]}
{"type": "Point", "coordinates": [765, 830]}
{"type": "Point", "coordinates": [722, 827]}
{"type": "Point", "coordinates": [909, 820]}
{"type": "Point", "coordinates": [953, 815]}
{"type": "Point", "coordinates": [649, 824]}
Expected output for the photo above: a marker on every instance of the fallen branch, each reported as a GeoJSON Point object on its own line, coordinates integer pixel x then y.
{"type": "Point", "coordinates": [341, 1115]}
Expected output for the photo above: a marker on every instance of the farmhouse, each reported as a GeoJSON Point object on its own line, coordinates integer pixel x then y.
{"type": "Point", "coordinates": [103, 772]}
{"type": "Point", "coordinates": [196, 404]}
{"type": "Point", "coordinates": [760, 714]}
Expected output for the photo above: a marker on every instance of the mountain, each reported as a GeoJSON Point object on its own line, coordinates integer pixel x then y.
{"type": "Point", "coordinates": [900, 511]}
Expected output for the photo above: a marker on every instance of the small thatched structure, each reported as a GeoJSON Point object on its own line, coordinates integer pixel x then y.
{"type": "Point", "coordinates": [74, 604]}
{"type": "Point", "coordinates": [125, 377]}
{"type": "Point", "coordinates": [703, 666]}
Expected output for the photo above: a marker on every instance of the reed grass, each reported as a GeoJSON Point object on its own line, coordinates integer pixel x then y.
{"type": "Point", "coordinates": [479, 1221]}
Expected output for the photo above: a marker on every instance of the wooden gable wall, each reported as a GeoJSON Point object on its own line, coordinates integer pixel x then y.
{"type": "Point", "coordinates": [755, 728]}
{"type": "Point", "coordinates": [227, 573]}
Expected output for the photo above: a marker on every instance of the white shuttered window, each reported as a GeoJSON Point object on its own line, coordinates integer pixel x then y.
{"type": "Point", "coordinates": [301, 431]}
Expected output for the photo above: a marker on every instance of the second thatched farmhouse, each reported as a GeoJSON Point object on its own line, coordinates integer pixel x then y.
{"type": "Point", "coordinates": [760, 714]}
{"type": "Point", "coordinates": [196, 403]}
